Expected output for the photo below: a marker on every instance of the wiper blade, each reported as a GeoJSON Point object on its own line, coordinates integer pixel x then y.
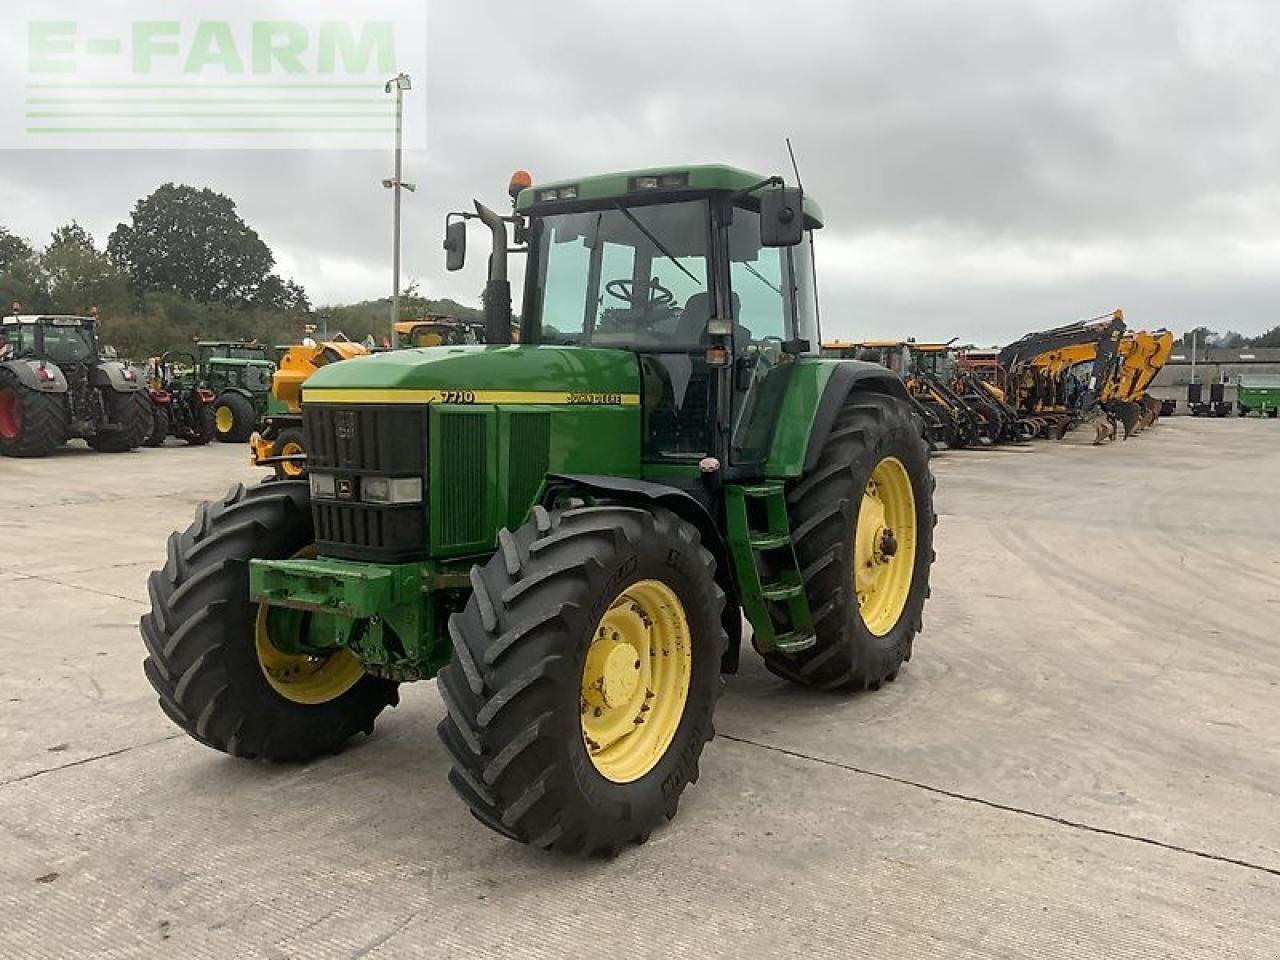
{"type": "Point", "coordinates": [655, 241]}
{"type": "Point", "coordinates": [761, 277]}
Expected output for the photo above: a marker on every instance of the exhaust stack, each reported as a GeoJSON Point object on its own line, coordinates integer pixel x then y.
{"type": "Point", "coordinates": [497, 289]}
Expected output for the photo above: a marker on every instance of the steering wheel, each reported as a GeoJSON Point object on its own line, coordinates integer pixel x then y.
{"type": "Point", "coordinates": [655, 294]}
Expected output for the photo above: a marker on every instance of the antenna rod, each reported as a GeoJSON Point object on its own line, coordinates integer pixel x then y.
{"type": "Point", "coordinates": [794, 166]}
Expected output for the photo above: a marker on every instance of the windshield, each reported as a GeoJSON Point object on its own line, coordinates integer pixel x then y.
{"type": "Point", "coordinates": [937, 362]}
{"type": "Point", "coordinates": [60, 343]}
{"type": "Point", "coordinates": [627, 276]}
{"type": "Point", "coordinates": [234, 352]}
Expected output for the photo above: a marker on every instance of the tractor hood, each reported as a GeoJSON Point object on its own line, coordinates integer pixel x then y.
{"type": "Point", "coordinates": [481, 374]}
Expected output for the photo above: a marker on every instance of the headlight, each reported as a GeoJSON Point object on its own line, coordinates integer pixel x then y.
{"type": "Point", "coordinates": [391, 490]}
{"type": "Point", "coordinates": [323, 485]}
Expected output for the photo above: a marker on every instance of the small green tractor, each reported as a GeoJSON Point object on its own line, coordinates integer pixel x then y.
{"type": "Point", "coordinates": [567, 531]}
{"type": "Point", "coordinates": [239, 374]}
{"type": "Point", "coordinates": [58, 383]}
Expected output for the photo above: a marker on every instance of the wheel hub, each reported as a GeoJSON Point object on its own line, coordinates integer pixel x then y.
{"type": "Point", "coordinates": [635, 681]}
{"type": "Point", "coordinates": [612, 673]}
{"type": "Point", "coordinates": [10, 414]}
{"type": "Point", "coordinates": [884, 546]}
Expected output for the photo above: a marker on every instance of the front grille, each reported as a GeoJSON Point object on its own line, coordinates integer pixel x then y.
{"type": "Point", "coordinates": [386, 440]}
{"type": "Point", "coordinates": [352, 442]}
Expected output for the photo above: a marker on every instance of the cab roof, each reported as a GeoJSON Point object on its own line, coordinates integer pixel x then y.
{"type": "Point", "coordinates": [38, 317]}
{"type": "Point", "coordinates": [687, 177]}
{"type": "Point", "coordinates": [886, 344]}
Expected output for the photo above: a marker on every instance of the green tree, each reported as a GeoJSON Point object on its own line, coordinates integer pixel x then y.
{"type": "Point", "coordinates": [12, 249]}
{"type": "Point", "coordinates": [78, 275]}
{"type": "Point", "coordinates": [1231, 340]}
{"type": "Point", "coordinates": [1269, 339]}
{"type": "Point", "coordinates": [277, 294]}
{"type": "Point", "coordinates": [192, 241]}
{"type": "Point", "coordinates": [21, 279]}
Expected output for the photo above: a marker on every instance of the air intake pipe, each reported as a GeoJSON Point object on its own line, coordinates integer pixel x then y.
{"type": "Point", "coordinates": [497, 289]}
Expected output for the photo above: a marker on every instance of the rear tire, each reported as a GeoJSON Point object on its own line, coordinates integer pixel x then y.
{"type": "Point", "coordinates": [133, 412]}
{"type": "Point", "coordinates": [32, 423]}
{"type": "Point", "coordinates": [200, 635]}
{"type": "Point", "coordinates": [204, 430]}
{"type": "Point", "coordinates": [519, 715]}
{"type": "Point", "coordinates": [824, 507]}
{"type": "Point", "coordinates": [159, 427]}
{"type": "Point", "coordinates": [234, 418]}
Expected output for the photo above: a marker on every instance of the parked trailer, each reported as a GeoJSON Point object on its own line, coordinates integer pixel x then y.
{"type": "Point", "coordinates": [1258, 393]}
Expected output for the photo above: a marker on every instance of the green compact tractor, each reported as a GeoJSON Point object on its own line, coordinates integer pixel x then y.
{"type": "Point", "coordinates": [56, 383]}
{"type": "Point", "coordinates": [568, 531]}
{"type": "Point", "coordinates": [239, 375]}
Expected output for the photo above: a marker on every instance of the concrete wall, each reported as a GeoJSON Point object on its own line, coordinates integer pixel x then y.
{"type": "Point", "coordinates": [1213, 365]}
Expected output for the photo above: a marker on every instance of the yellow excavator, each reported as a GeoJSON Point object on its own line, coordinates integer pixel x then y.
{"type": "Point", "coordinates": [279, 445]}
{"type": "Point", "coordinates": [1142, 355]}
{"type": "Point", "coordinates": [1060, 375]}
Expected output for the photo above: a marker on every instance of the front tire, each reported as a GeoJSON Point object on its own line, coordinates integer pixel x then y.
{"type": "Point", "coordinates": [234, 418]}
{"type": "Point", "coordinates": [870, 491]}
{"type": "Point", "coordinates": [32, 423]}
{"type": "Point", "coordinates": [585, 672]}
{"type": "Point", "coordinates": [289, 442]}
{"type": "Point", "coordinates": [204, 638]}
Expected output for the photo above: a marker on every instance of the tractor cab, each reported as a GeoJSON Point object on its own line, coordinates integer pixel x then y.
{"type": "Point", "coordinates": [59, 339]}
{"type": "Point", "coordinates": [705, 273]}
{"type": "Point", "coordinates": [242, 365]}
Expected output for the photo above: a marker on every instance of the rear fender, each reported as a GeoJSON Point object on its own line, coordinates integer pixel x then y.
{"type": "Point", "coordinates": [849, 377]}
{"type": "Point", "coordinates": [26, 372]}
{"type": "Point", "coordinates": [682, 505]}
{"type": "Point", "coordinates": [114, 375]}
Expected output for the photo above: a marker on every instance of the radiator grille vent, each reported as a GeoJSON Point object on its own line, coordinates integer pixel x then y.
{"type": "Point", "coordinates": [464, 478]}
{"type": "Point", "coordinates": [530, 454]}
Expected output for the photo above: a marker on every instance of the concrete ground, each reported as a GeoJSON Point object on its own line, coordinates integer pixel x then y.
{"type": "Point", "coordinates": [1082, 760]}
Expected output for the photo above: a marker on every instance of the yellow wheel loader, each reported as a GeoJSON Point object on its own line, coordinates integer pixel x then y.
{"type": "Point", "coordinates": [279, 445]}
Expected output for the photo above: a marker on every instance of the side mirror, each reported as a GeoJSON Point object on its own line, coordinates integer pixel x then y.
{"type": "Point", "coordinates": [781, 217]}
{"type": "Point", "coordinates": [455, 243]}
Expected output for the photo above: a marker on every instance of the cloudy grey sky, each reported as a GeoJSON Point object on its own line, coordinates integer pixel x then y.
{"type": "Point", "coordinates": [986, 168]}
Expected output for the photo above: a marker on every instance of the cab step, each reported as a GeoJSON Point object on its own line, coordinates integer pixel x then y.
{"type": "Point", "coordinates": [764, 559]}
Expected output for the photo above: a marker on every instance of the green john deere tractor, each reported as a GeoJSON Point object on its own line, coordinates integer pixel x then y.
{"type": "Point", "coordinates": [239, 374]}
{"type": "Point", "coordinates": [568, 531]}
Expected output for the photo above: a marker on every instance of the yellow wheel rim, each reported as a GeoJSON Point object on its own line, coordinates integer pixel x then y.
{"type": "Point", "coordinates": [291, 468]}
{"type": "Point", "coordinates": [301, 678]}
{"type": "Point", "coordinates": [224, 419]}
{"type": "Point", "coordinates": [884, 546]}
{"type": "Point", "coordinates": [635, 681]}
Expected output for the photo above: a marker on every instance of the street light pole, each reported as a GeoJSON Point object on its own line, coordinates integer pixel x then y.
{"type": "Point", "coordinates": [400, 83]}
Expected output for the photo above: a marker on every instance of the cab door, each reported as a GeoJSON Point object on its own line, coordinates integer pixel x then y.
{"type": "Point", "coordinates": [774, 323]}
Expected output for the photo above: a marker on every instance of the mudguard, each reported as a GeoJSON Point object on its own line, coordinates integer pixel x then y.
{"type": "Point", "coordinates": [111, 373]}
{"type": "Point", "coordinates": [25, 371]}
{"type": "Point", "coordinates": [848, 377]}
{"type": "Point", "coordinates": [686, 507]}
